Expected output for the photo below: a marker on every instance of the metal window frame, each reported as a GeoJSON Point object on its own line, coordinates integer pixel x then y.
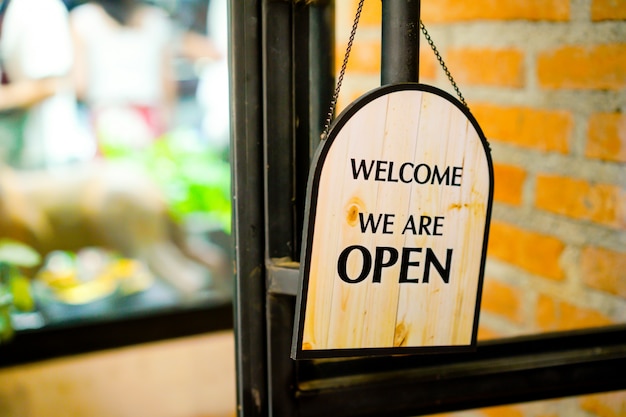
{"type": "Point", "coordinates": [68, 339]}
{"type": "Point", "coordinates": [281, 88]}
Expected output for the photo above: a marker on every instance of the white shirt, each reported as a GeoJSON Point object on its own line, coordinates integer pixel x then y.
{"type": "Point", "coordinates": [213, 92]}
{"type": "Point", "coordinates": [36, 43]}
{"type": "Point", "coordinates": [124, 64]}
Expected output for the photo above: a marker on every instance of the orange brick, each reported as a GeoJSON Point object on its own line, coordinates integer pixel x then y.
{"type": "Point", "coordinates": [502, 411]}
{"type": "Point", "coordinates": [503, 300]}
{"type": "Point", "coordinates": [611, 404]}
{"type": "Point", "coordinates": [489, 67]}
{"type": "Point", "coordinates": [508, 184]}
{"type": "Point", "coordinates": [345, 100]}
{"type": "Point", "coordinates": [370, 14]}
{"type": "Point", "coordinates": [543, 130]}
{"type": "Point", "coordinates": [608, 10]}
{"type": "Point", "coordinates": [442, 11]}
{"type": "Point", "coordinates": [583, 67]}
{"type": "Point", "coordinates": [364, 57]}
{"type": "Point", "coordinates": [536, 253]}
{"type": "Point", "coordinates": [604, 270]}
{"type": "Point", "coordinates": [579, 199]}
{"type": "Point", "coordinates": [606, 137]}
{"type": "Point", "coordinates": [552, 315]}
{"type": "Point", "coordinates": [485, 333]}
{"type": "Point", "coordinates": [428, 63]}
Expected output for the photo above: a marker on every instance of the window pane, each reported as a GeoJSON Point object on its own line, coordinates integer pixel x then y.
{"type": "Point", "coordinates": [114, 133]}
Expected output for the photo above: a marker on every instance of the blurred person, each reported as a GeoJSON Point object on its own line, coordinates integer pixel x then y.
{"type": "Point", "coordinates": [213, 93]}
{"type": "Point", "coordinates": [24, 94]}
{"type": "Point", "coordinates": [37, 57]}
{"type": "Point", "coordinates": [15, 99]}
{"type": "Point", "coordinates": [124, 70]}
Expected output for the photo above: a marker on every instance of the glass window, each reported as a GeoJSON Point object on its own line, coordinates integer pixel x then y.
{"type": "Point", "coordinates": [116, 175]}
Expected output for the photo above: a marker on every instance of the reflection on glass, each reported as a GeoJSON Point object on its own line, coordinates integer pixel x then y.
{"type": "Point", "coordinates": [115, 183]}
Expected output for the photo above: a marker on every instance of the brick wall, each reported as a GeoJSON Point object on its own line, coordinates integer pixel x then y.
{"type": "Point", "coordinates": [546, 80]}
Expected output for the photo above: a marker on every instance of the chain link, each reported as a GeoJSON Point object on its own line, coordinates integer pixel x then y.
{"type": "Point", "coordinates": [333, 102]}
{"type": "Point", "coordinates": [443, 65]}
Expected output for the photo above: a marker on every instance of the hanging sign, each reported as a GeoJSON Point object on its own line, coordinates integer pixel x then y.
{"type": "Point", "coordinates": [397, 218]}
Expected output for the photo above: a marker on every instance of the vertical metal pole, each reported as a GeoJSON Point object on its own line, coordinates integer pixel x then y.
{"type": "Point", "coordinates": [248, 209]}
{"type": "Point", "coordinates": [400, 41]}
{"type": "Point", "coordinates": [314, 34]}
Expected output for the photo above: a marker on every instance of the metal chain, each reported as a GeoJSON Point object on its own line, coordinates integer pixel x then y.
{"type": "Point", "coordinates": [333, 102]}
{"type": "Point", "coordinates": [443, 65]}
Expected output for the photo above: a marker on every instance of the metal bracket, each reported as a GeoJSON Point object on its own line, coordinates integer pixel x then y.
{"type": "Point", "coordinates": [282, 276]}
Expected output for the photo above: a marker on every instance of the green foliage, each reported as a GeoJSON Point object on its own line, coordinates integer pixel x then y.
{"type": "Point", "coordinates": [6, 328]}
{"type": "Point", "coordinates": [16, 253]}
{"type": "Point", "coordinates": [14, 288]}
{"type": "Point", "coordinates": [194, 177]}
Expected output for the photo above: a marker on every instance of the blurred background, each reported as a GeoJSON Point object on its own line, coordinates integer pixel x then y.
{"type": "Point", "coordinates": [115, 207]}
{"type": "Point", "coordinates": [140, 98]}
{"type": "Point", "coordinates": [119, 162]}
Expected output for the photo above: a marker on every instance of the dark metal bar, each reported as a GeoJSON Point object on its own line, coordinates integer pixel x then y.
{"type": "Point", "coordinates": [299, 83]}
{"type": "Point", "coordinates": [303, 106]}
{"type": "Point", "coordinates": [500, 372]}
{"type": "Point", "coordinates": [281, 77]}
{"type": "Point", "coordinates": [282, 278]}
{"type": "Point", "coordinates": [248, 217]}
{"type": "Point", "coordinates": [272, 123]}
{"type": "Point", "coordinates": [321, 43]}
{"type": "Point", "coordinates": [409, 397]}
{"type": "Point", "coordinates": [400, 41]}
{"type": "Point", "coordinates": [282, 383]}
{"type": "Point", "coordinates": [89, 336]}
{"type": "Point", "coordinates": [279, 127]}
{"type": "Point", "coordinates": [314, 82]}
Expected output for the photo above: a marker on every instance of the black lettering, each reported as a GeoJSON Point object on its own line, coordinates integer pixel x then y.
{"type": "Point", "coordinates": [388, 223]}
{"type": "Point", "coordinates": [390, 176]}
{"type": "Point", "coordinates": [406, 262]}
{"type": "Point", "coordinates": [441, 178]}
{"type": "Point", "coordinates": [410, 225]}
{"type": "Point", "coordinates": [378, 262]}
{"type": "Point", "coordinates": [456, 175]}
{"type": "Point", "coordinates": [342, 264]}
{"type": "Point", "coordinates": [425, 221]}
{"type": "Point", "coordinates": [402, 178]}
{"type": "Point", "coordinates": [438, 226]}
{"type": "Point", "coordinates": [362, 168]}
{"type": "Point", "coordinates": [431, 259]}
{"type": "Point", "coordinates": [408, 172]}
{"type": "Point", "coordinates": [369, 223]}
{"type": "Point", "coordinates": [417, 171]}
{"type": "Point", "coordinates": [380, 169]}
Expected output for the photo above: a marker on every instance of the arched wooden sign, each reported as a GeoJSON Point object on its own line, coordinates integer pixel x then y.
{"type": "Point", "coordinates": [399, 204]}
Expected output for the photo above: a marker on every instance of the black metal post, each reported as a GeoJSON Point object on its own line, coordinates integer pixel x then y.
{"type": "Point", "coordinates": [248, 209]}
{"type": "Point", "coordinates": [400, 41]}
{"type": "Point", "coordinates": [314, 37]}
